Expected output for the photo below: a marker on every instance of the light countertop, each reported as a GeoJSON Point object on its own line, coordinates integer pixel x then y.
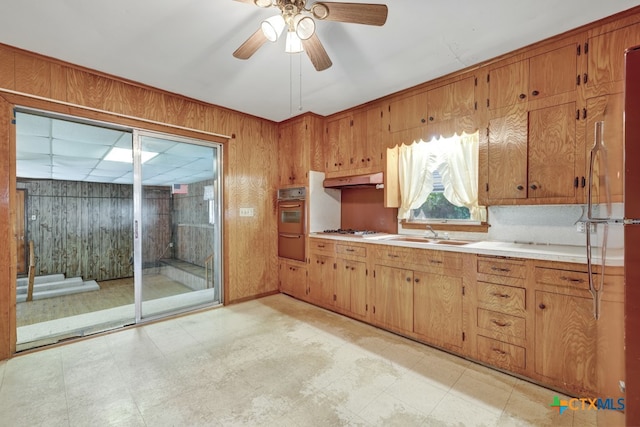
{"type": "Point", "coordinates": [560, 253]}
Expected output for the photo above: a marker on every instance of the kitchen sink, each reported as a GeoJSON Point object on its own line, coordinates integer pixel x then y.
{"type": "Point", "coordinates": [418, 239]}
{"type": "Point", "coordinates": [450, 242]}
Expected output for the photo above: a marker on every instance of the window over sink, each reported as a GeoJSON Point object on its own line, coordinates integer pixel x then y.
{"type": "Point", "coordinates": [439, 180]}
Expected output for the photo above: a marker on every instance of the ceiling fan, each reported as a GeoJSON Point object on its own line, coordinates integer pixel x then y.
{"type": "Point", "coordinates": [301, 27]}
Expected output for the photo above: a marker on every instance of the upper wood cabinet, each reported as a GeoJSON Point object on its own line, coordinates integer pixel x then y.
{"type": "Point", "coordinates": [451, 101]}
{"type": "Point", "coordinates": [605, 53]}
{"type": "Point", "coordinates": [437, 105]}
{"type": "Point", "coordinates": [532, 155]}
{"type": "Point", "coordinates": [538, 77]}
{"type": "Point", "coordinates": [408, 113]}
{"type": "Point", "coordinates": [299, 149]}
{"type": "Point", "coordinates": [355, 143]}
{"type": "Point", "coordinates": [608, 109]}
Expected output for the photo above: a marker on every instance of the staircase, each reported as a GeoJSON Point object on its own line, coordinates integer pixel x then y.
{"type": "Point", "coordinates": [53, 285]}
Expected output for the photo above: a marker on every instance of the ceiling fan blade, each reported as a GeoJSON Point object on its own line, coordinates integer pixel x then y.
{"type": "Point", "coordinates": [251, 45]}
{"type": "Point", "coordinates": [316, 53]}
{"type": "Point", "coordinates": [357, 13]}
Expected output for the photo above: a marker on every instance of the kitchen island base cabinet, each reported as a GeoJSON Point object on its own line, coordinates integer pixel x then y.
{"type": "Point", "coordinates": [438, 309]}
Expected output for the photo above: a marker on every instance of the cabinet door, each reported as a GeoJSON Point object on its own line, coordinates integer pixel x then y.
{"type": "Point", "coordinates": [408, 113]}
{"type": "Point", "coordinates": [508, 85]}
{"type": "Point", "coordinates": [565, 349]}
{"type": "Point", "coordinates": [358, 287]}
{"type": "Point", "coordinates": [285, 155]}
{"type": "Point", "coordinates": [338, 139]}
{"type": "Point", "coordinates": [293, 280]}
{"type": "Point", "coordinates": [437, 308]}
{"type": "Point", "coordinates": [343, 284]}
{"type": "Point", "coordinates": [552, 152]}
{"type": "Point", "coordinates": [553, 72]}
{"type": "Point", "coordinates": [605, 54]}
{"type": "Point", "coordinates": [609, 109]}
{"type": "Point", "coordinates": [358, 145]}
{"type": "Point", "coordinates": [322, 279]}
{"type": "Point", "coordinates": [507, 156]}
{"type": "Point", "coordinates": [451, 101]}
{"type": "Point", "coordinates": [394, 297]}
{"type": "Point", "coordinates": [299, 153]}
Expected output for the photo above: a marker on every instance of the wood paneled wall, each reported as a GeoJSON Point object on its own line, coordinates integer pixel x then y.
{"type": "Point", "coordinates": [193, 236]}
{"type": "Point", "coordinates": [250, 162]}
{"type": "Point", "coordinates": [84, 229]}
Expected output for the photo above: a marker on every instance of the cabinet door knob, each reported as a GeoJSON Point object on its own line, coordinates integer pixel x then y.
{"type": "Point", "coordinates": [416, 280]}
{"type": "Point", "coordinates": [534, 187]}
{"type": "Point", "coordinates": [408, 279]}
{"type": "Point", "coordinates": [535, 93]}
{"type": "Point", "coordinates": [430, 118]}
{"type": "Point", "coordinates": [522, 96]}
{"type": "Point", "coordinates": [542, 306]}
{"type": "Point", "coordinates": [423, 120]}
{"type": "Point", "coordinates": [520, 187]}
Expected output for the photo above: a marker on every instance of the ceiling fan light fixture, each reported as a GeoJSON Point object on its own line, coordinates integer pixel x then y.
{"type": "Point", "coordinates": [293, 43]}
{"type": "Point", "coordinates": [263, 3]}
{"type": "Point", "coordinates": [305, 26]}
{"type": "Point", "coordinates": [273, 27]}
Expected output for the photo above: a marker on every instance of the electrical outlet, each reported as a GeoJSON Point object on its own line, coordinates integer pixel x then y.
{"type": "Point", "coordinates": [246, 211]}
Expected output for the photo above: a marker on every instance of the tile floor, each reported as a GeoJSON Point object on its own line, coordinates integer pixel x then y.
{"type": "Point", "coordinates": [275, 362]}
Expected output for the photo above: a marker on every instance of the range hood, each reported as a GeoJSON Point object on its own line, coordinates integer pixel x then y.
{"type": "Point", "coordinates": [367, 180]}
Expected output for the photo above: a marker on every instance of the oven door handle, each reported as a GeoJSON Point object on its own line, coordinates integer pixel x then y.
{"type": "Point", "coordinates": [290, 206]}
{"type": "Point", "coordinates": [290, 236]}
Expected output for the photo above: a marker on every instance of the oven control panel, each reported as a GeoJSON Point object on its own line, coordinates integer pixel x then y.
{"type": "Point", "coordinates": [295, 193]}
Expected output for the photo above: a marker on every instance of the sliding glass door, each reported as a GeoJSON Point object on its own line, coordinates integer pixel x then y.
{"type": "Point", "coordinates": [177, 224]}
{"type": "Point", "coordinates": [117, 225]}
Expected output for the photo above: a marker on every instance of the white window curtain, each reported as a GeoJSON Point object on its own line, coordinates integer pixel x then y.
{"type": "Point", "coordinates": [455, 159]}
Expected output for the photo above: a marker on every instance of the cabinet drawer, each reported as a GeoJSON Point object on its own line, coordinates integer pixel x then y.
{"type": "Point", "coordinates": [501, 323]}
{"type": "Point", "coordinates": [351, 250]}
{"type": "Point", "coordinates": [321, 245]}
{"type": "Point", "coordinates": [393, 253]}
{"type": "Point", "coordinates": [501, 354]}
{"type": "Point", "coordinates": [550, 276]}
{"type": "Point", "coordinates": [502, 267]}
{"type": "Point", "coordinates": [505, 299]}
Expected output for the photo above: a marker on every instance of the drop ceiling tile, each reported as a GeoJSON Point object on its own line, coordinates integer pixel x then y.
{"type": "Point", "coordinates": [106, 173]}
{"type": "Point", "coordinates": [42, 158]}
{"type": "Point", "coordinates": [201, 165]}
{"type": "Point", "coordinates": [87, 134]}
{"type": "Point", "coordinates": [157, 145]}
{"type": "Point", "coordinates": [92, 178]}
{"type": "Point", "coordinates": [115, 166]}
{"type": "Point", "coordinates": [69, 176]}
{"type": "Point", "coordinates": [123, 180]}
{"type": "Point", "coordinates": [29, 124]}
{"type": "Point", "coordinates": [77, 149]}
{"type": "Point", "coordinates": [33, 144]}
{"type": "Point", "coordinates": [74, 162]}
{"type": "Point", "coordinates": [189, 150]}
{"type": "Point", "coordinates": [169, 160]}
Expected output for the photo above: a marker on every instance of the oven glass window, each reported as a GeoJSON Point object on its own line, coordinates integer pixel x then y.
{"type": "Point", "coordinates": [290, 217]}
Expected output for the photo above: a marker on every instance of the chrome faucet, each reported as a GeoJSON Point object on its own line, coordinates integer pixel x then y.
{"type": "Point", "coordinates": [429, 228]}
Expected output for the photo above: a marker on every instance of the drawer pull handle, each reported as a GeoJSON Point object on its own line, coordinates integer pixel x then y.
{"type": "Point", "coordinates": [393, 256]}
{"type": "Point", "coordinates": [499, 295]}
{"type": "Point", "coordinates": [434, 261]}
{"type": "Point", "coordinates": [350, 250]}
{"type": "Point", "coordinates": [501, 324]}
{"type": "Point", "coordinates": [500, 352]}
{"type": "Point", "coordinates": [571, 279]}
{"type": "Point", "coordinates": [321, 246]}
{"type": "Point", "coordinates": [504, 270]}
{"type": "Point", "coordinates": [347, 267]}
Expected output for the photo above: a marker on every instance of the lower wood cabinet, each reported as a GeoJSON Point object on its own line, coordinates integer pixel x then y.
{"type": "Point", "coordinates": [322, 278]}
{"type": "Point", "coordinates": [438, 308]}
{"type": "Point", "coordinates": [293, 278]}
{"type": "Point", "coordinates": [394, 302]}
{"type": "Point", "coordinates": [351, 286]}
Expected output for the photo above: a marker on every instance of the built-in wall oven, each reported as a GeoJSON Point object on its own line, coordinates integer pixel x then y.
{"type": "Point", "coordinates": [292, 223]}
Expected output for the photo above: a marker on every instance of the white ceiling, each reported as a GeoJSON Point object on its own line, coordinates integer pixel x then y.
{"type": "Point", "coordinates": [50, 148]}
{"type": "Point", "coordinates": [186, 46]}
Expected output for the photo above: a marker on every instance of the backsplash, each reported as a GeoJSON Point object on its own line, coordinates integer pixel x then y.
{"type": "Point", "coordinates": [546, 224]}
